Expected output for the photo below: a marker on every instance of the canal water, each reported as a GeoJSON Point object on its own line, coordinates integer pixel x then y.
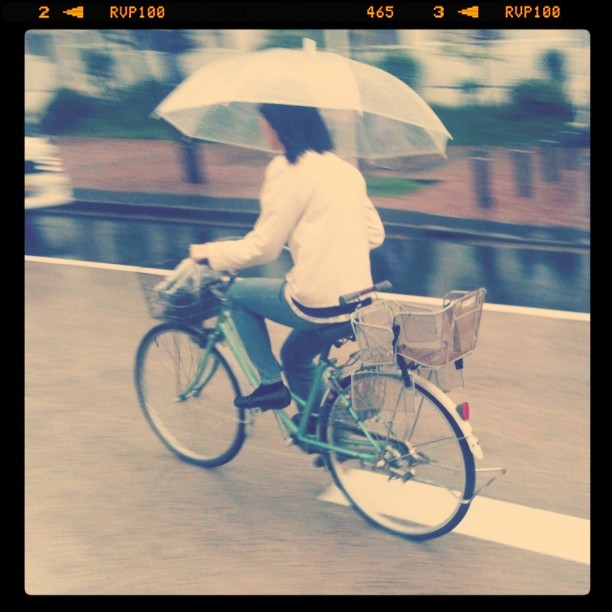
{"type": "Point", "coordinates": [416, 264]}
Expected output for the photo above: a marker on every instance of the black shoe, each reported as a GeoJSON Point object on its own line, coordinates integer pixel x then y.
{"type": "Point", "coordinates": [266, 397]}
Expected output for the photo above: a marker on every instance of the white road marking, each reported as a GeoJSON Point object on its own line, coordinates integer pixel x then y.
{"type": "Point", "coordinates": [540, 531]}
{"type": "Point", "coordinates": [415, 299]}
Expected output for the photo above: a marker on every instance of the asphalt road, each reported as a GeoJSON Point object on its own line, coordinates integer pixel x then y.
{"type": "Point", "coordinates": [108, 511]}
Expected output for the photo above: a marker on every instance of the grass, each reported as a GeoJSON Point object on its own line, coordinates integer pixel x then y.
{"type": "Point", "coordinates": [389, 187]}
{"type": "Point", "coordinates": [497, 126]}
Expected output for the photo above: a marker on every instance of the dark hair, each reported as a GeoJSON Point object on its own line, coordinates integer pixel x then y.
{"type": "Point", "coordinates": [299, 128]}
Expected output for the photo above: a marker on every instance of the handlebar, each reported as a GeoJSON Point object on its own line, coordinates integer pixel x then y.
{"type": "Point", "coordinates": [355, 296]}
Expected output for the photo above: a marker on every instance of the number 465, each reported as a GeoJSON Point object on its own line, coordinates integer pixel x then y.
{"type": "Point", "coordinates": [382, 12]}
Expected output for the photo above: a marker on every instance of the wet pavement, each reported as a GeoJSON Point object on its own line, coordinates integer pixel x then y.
{"type": "Point", "coordinates": [109, 511]}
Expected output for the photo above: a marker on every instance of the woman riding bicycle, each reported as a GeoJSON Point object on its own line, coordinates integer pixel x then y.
{"type": "Point", "coordinates": [317, 204]}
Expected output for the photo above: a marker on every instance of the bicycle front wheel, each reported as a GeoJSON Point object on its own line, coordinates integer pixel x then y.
{"type": "Point", "coordinates": [190, 408]}
{"type": "Point", "coordinates": [410, 470]}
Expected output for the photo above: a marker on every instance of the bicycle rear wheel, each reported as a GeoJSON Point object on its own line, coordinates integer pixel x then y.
{"type": "Point", "coordinates": [201, 427]}
{"type": "Point", "coordinates": [415, 474]}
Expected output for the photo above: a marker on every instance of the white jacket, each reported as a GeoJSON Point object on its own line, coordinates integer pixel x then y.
{"type": "Point", "coordinates": [320, 208]}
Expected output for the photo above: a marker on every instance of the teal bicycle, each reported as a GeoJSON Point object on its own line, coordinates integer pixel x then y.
{"type": "Point", "coordinates": [377, 418]}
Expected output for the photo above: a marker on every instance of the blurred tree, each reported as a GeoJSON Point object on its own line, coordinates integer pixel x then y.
{"type": "Point", "coordinates": [67, 111]}
{"type": "Point", "coordinates": [100, 68]}
{"type": "Point", "coordinates": [291, 39]}
{"type": "Point", "coordinates": [553, 62]}
{"type": "Point", "coordinates": [540, 98]}
{"type": "Point", "coordinates": [403, 66]}
{"type": "Point", "coordinates": [170, 45]}
{"type": "Point", "coordinates": [545, 97]}
{"type": "Point", "coordinates": [470, 89]}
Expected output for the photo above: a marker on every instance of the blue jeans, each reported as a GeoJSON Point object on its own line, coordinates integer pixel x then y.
{"type": "Point", "coordinates": [252, 301]}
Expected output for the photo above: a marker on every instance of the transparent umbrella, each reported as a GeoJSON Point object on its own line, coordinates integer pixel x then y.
{"type": "Point", "coordinates": [370, 113]}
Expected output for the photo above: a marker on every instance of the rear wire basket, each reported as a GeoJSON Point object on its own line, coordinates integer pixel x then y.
{"type": "Point", "coordinates": [425, 336]}
{"type": "Point", "coordinates": [374, 390]}
{"type": "Point", "coordinates": [378, 389]}
{"type": "Point", "coordinates": [186, 304]}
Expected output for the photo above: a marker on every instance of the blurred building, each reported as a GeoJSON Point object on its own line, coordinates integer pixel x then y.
{"type": "Point", "coordinates": [456, 66]}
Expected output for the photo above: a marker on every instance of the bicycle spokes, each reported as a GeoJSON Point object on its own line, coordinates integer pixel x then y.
{"type": "Point", "coordinates": [409, 468]}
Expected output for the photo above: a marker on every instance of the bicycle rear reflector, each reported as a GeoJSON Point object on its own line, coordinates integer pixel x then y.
{"type": "Point", "coordinates": [463, 410]}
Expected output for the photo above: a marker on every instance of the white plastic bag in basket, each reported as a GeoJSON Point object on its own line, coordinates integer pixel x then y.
{"type": "Point", "coordinates": [186, 276]}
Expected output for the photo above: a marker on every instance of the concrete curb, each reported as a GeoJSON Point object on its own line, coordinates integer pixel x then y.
{"type": "Point", "coordinates": [243, 212]}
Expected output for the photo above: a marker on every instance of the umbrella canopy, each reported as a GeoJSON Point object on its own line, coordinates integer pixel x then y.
{"type": "Point", "coordinates": [369, 112]}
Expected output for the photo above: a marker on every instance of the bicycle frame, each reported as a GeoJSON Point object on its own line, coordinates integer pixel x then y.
{"type": "Point", "coordinates": [326, 369]}
{"type": "Point", "coordinates": [379, 424]}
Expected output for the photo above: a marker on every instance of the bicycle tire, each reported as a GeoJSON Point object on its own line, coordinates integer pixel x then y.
{"type": "Point", "coordinates": [420, 482]}
{"type": "Point", "coordinates": [205, 429]}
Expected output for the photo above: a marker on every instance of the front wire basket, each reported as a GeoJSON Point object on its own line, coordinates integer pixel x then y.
{"type": "Point", "coordinates": [427, 337]}
{"type": "Point", "coordinates": [186, 304]}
